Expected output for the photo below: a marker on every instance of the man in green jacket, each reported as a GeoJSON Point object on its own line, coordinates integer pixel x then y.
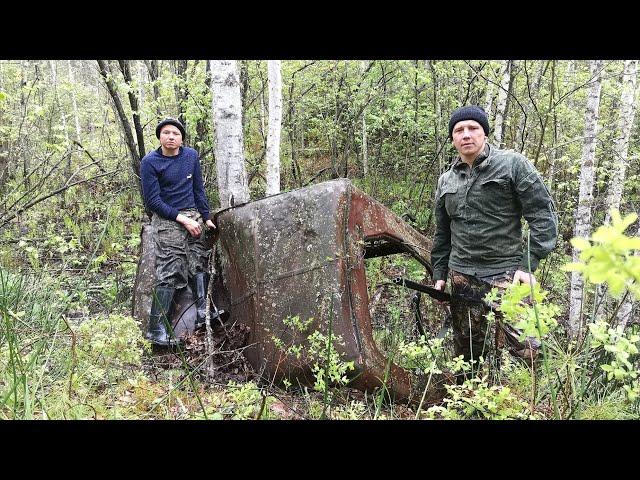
{"type": "Point", "coordinates": [478, 243]}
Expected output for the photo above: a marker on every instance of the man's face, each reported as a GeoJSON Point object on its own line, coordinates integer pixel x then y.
{"type": "Point", "coordinates": [468, 138]}
{"type": "Point", "coordinates": [170, 137]}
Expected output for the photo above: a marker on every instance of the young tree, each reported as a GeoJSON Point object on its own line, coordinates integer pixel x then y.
{"type": "Point", "coordinates": [626, 308]}
{"type": "Point", "coordinates": [501, 107]}
{"type": "Point", "coordinates": [365, 153]}
{"type": "Point", "coordinates": [585, 200]}
{"type": "Point", "coordinates": [275, 121]}
{"type": "Point", "coordinates": [74, 102]}
{"type": "Point", "coordinates": [227, 116]}
{"type": "Point", "coordinates": [621, 144]}
{"type": "Point", "coordinates": [621, 150]}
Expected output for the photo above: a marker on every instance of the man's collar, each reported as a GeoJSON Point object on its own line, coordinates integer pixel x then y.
{"type": "Point", "coordinates": [482, 156]}
{"type": "Point", "coordinates": [159, 150]}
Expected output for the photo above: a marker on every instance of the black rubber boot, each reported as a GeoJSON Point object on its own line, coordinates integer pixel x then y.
{"type": "Point", "coordinates": [159, 326]}
{"type": "Point", "coordinates": [199, 288]}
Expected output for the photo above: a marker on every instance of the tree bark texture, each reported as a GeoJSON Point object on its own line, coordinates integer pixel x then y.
{"type": "Point", "coordinates": [585, 199]}
{"type": "Point", "coordinates": [275, 126]}
{"type": "Point", "coordinates": [501, 107]}
{"type": "Point", "coordinates": [621, 144]}
{"type": "Point", "coordinates": [227, 114]}
{"type": "Point", "coordinates": [74, 102]}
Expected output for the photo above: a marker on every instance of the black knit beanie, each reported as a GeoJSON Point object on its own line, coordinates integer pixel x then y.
{"type": "Point", "coordinates": [170, 121]}
{"type": "Point", "coordinates": [471, 112]}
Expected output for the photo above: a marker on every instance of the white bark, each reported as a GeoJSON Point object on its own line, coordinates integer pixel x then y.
{"type": "Point", "coordinates": [141, 83]}
{"type": "Point", "coordinates": [275, 126]}
{"type": "Point", "coordinates": [501, 106]}
{"type": "Point", "coordinates": [621, 144]}
{"type": "Point", "coordinates": [626, 309]}
{"type": "Point", "coordinates": [73, 100]}
{"type": "Point", "coordinates": [585, 200]}
{"type": "Point", "coordinates": [621, 150]}
{"type": "Point", "coordinates": [54, 80]}
{"type": "Point", "coordinates": [227, 114]}
{"type": "Point", "coordinates": [488, 99]}
{"type": "Point", "coordinates": [365, 153]}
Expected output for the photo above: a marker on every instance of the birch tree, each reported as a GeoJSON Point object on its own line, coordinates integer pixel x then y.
{"type": "Point", "coordinates": [74, 101]}
{"type": "Point", "coordinates": [501, 107]}
{"type": "Point", "coordinates": [227, 117]}
{"type": "Point", "coordinates": [585, 199]}
{"type": "Point", "coordinates": [621, 150]}
{"type": "Point", "coordinates": [54, 81]}
{"type": "Point", "coordinates": [626, 308]}
{"type": "Point", "coordinates": [488, 98]}
{"type": "Point", "coordinates": [275, 125]}
{"type": "Point", "coordinates": [365, 153]}
{"type": "Point", "coordinates": [621, 144]}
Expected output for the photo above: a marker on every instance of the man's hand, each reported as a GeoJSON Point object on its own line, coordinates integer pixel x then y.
{"type": "Point", "coordinates": [192, 226]}
{"type": "Point", "coordinates": [210, 224]}
{"type": "Point", "coordinates": [440, 284]}
{"type": "Point", "coordinates": [524, 277]}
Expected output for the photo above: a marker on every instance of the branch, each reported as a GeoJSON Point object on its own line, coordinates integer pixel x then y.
{"type": "Point", "coordinates": [60, 190]}
{"type": "Point", "coordinates": [97, 162]}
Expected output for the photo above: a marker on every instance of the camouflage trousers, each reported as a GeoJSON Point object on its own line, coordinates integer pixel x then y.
{"type": "Point", "coordinates": [178, 254]}
{"type": "Point", "coordinates": [469, 319]}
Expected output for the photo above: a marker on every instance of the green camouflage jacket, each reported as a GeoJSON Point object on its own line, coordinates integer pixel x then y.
{"type": "Point", "coordinates": [478, 214]}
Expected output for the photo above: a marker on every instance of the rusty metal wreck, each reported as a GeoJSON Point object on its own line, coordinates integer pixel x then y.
{"type": "Point", "coordinates": [301, 253]}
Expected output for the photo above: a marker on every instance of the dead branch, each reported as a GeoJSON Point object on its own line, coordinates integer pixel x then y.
{"type": "Point", "coordinates": [6, 220]}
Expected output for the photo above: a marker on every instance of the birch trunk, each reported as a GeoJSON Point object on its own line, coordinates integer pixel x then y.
{"type": "Point", "coordinates": [227, 115]}
{"type": "Point", "coordinates": [54, 80]}
{"type": "Point", "coordinates": [74, 101]}
{"type": "Point", "coordinates": [488, 99]}
{"type": "Point", "coordinates": [365, 153]}
{"type": "Point", "coordinates": [585, 200]}
{"type": "Point", "coordinates": [275, 126]}
{"type": "Point", "coordinates": [501, 107]}
{"type": "Point", "coordinates": [626, 309]}
{"type": "Point", "coordinates": [621, 144]}
{"type": "Point", "coordinates": [140, 84]}
{"type": "Point", "coordinates": [621, 150]}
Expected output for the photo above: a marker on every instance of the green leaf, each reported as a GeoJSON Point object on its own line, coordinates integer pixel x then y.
{"type": "Point", "coordinates": [573, 267]}
{"type": "Point", "coordinates": [580, 243]}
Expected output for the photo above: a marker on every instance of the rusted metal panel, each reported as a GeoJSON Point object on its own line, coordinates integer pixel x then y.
{"type": "Point", "coordinates": [302, 253]}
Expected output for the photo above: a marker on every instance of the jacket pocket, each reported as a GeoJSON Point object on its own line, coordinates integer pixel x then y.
{"type": "Point", "coordinates": [449, 198]}
{"type": "Point", "coordinates": [497, 194]}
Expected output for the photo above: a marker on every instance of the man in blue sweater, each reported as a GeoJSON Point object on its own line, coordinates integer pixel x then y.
{"type": "Point", "coordinates": [173, 190]}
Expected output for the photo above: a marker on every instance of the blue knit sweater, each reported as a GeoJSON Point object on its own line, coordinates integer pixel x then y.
{"type": "Point", "coordinates": [170, 184]}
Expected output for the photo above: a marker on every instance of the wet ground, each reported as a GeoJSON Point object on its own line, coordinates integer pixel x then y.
{"type": "Point", "coordinates": [219, 362]}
